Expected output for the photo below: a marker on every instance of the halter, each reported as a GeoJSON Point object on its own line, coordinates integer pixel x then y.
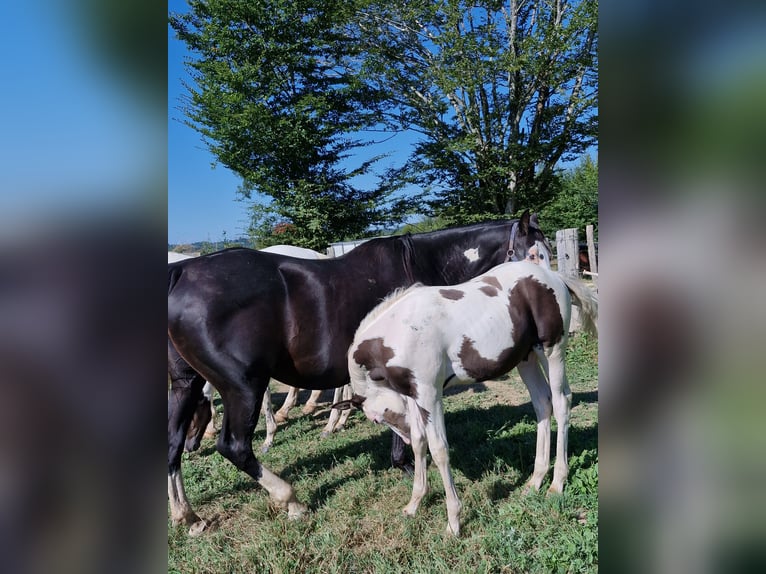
{"type": "Point", "coordinates": [511, 255]}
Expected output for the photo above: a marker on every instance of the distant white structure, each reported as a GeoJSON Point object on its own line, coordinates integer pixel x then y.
{"type": "Point", "coordinates": [343, 247]}
{"type": "Point", "coordinates": [173, 256]}
{"type": "Point", "coordinates": [292, 251]}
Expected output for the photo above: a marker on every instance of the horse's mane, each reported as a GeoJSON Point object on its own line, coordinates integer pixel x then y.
{"type": "Point", "coordinates": [385, 303]}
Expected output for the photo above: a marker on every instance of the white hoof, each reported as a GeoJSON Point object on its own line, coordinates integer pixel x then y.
{"type": "Point", "coordinates": [197, 528]}
{"type": "Point", "coordinates": [295, 510]}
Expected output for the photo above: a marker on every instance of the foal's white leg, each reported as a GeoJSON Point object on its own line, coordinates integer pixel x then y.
{"type": "Point", "coordinates": [271, 423]}
{"type": "Point", "coordinates": [437, 444]}
{"type": "Point", "coordinates": [311, 404]}
{"type": "Point", "coordinates": [290, 400]}
{"type": "Point", "coordinates": [562, 404]}
{"type": "Point", "coordinates": [338, 418]}
{"type": "Point", "coordinates": [531, 372]}
{"type": "Point", "coordinates": [419, 447]}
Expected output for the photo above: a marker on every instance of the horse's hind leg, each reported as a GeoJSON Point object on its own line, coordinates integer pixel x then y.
{"type": "Point", "coordinates": [338, 418]}
{"type": "Point", "coordinates": [271, 424]}
{"type": "Point", "coordinates": [562, 404]}
{"type": "Point", "coordinates": [531, 372]}
{"type": "Point", "coordinates": [184, 395]}
{"type": "Point", "coordinates": [311, 404]}
{"type": "Point", "coordinates": [282, 414]}
{"type": "Point", "coordinates": [240, 415]}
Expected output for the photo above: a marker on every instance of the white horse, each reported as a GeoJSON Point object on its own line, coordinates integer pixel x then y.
{"type": "Point", "coordinates": [424, 339]}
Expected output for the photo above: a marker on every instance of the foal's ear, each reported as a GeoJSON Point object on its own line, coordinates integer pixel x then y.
{"type": "Point", "coordinates": [524, 223]}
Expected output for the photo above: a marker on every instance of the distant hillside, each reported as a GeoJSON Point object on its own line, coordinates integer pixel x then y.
{"type": "Point", "coordinates": [209, 246]}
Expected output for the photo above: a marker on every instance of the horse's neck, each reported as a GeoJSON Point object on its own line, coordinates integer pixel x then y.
{"type": "Point", "coordinates": [438, 259]}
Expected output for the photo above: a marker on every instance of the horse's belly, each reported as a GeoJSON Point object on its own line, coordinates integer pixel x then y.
{"type": "Point", "coordinates": [312, 375]}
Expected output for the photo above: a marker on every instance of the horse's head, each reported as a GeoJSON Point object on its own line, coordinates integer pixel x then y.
{"type": "Point", "coordinates": [526, 234]}
{"type": "Point", "coordinates": [200, 420]}
{"type": "Point", "coordinates": [540, 253]}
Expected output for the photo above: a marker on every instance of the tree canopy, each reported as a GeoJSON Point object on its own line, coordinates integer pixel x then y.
{"type": "Point", "coordinates": [286, 94]}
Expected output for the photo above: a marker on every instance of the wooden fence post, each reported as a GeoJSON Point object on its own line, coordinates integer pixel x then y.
{"type": "Point", "coordinates": [591, 249]}
{"type": "Point", "coordinates": [567, 252]}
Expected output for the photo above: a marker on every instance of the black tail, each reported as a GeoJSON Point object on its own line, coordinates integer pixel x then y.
{"type": "Point", "coordinates": [174, 274]}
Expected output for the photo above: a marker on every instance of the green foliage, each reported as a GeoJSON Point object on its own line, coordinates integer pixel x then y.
{"type": "Point", "coordinates": [500, 93]}
{"type": "Point", "coordinates": [278, 99]}
{"type": "Point", "coordinates": [286, 93]}
{"type": "Point", "coordinates": [424, 224]}
{"type": "Point", "coordinates": [576, 203]}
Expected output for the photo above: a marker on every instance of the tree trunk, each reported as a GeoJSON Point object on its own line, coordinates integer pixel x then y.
{"type": "Point", "coordinates": [509, 204]}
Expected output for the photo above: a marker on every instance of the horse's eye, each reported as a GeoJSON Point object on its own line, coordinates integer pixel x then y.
{"type": "Point", "coordinates": [542, 256]}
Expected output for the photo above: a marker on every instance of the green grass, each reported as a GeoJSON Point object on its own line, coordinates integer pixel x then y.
{"type": "Point", "coordinates": [355, 523]}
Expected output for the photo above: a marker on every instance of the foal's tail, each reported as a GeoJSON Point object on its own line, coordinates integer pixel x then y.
{"type": "Point", "coordinates": [587, 300]}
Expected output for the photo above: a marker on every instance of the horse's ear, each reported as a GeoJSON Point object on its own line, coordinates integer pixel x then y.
{"type": "Point", "coordinates": [533, 221]}
{"type": "Point", "coordinates": [524, 223]}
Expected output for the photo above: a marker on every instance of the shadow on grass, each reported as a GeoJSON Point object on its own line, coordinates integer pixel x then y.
{"type": "Point", "coordinates": [480, 438]}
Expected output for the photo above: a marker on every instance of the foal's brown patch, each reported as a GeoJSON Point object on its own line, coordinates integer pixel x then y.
{"type": "Point", "coordinates": [453, 294]}
{"type": "Point", "coordinates": [530, 300]}
{"type": "Point", "coordinates": [399, 420]}
{"type": "Point", "coordinates": [489, 291]}
{"type": "Point", "coordinates": [492, 281]}
{"type": "Point", "coordinates": [373, 355]}
{"type": "Point", "coordinates": [536, 318]}
{"type": "Point", "coordinates": [481, 369]}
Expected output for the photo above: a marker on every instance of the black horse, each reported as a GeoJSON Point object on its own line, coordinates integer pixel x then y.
{"type": "Point", "coordinates": [240, 317]}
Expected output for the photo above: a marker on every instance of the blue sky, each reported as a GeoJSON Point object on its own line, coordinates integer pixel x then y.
{"type": "Point", "coordinates": [201, 199]}
{"type": "Point", "coordinates": [75, 137]}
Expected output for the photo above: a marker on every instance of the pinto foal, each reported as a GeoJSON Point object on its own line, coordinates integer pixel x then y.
{"type": "Point", "coordinates": [422, 340]}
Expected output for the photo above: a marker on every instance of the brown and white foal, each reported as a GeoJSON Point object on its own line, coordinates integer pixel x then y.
{"type": "Point", "coordinates": [422, 340]}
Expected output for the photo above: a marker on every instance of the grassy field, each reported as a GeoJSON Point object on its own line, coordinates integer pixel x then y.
{"type": "Point", "coordinates": [355, 523]}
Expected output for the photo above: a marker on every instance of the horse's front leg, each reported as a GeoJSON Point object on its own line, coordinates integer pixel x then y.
{"type": "Point", "coordinates": [420, 448]}
{"type": "Point", "coordinates": [437, 444]}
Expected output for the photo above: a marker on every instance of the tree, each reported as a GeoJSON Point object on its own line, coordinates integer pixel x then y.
{"type": "Point", "coordinates": [501, 92]}
{"type": "Point", "coordinates": [576, 201]}
{"type": "Point", "coordinates": [278, 98]}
